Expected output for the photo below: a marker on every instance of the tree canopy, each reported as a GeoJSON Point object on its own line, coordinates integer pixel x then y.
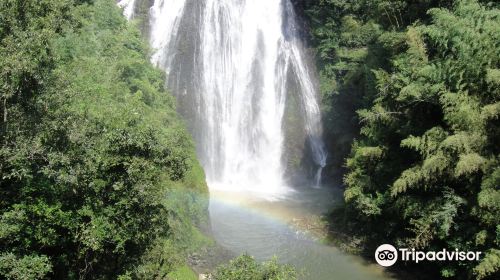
{"type": "Point", "coordinates": [98, 176]}
{"type": "Point", "coordinates": [421, 79]}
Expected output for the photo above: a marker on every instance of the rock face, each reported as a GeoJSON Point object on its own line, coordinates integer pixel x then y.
{"type": "Point", "coordinates": [298, 158]}
{"type": "Point", "coordinates": [249, 102]}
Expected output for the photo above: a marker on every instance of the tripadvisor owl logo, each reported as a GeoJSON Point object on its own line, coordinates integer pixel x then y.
{"type": "Point", "coordinates": [386, 255]}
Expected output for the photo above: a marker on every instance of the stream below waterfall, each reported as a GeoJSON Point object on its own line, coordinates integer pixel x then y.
{"type": "Point", "coordinates": [245, 223]}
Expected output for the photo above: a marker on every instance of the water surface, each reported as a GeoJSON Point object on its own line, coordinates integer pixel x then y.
{"type": "Point", "coordinates": [243, 222]}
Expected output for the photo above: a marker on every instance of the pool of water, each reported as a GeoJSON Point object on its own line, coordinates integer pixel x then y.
{"type": "Point", "coordinates": [245, 223]}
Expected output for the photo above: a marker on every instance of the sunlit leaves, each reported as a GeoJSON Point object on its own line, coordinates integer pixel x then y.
{"type": "Point", "coordinates": [91, 148]}
{"type": "Point", "coordinates": [436, 115]}
{"type": "Point", "coordinates": [246, 268]}
{"type": "Point", "coordinates": [489, 264]}
{"type": "Point", "coordinates": [32, 267]}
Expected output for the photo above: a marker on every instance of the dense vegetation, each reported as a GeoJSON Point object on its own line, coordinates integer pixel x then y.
{"type": "Point", "coordinates": [411, 96]}
{"type": "Point", "coordinates": [245, 267]}
{"type": "Point", "coordinates": [98, 178]}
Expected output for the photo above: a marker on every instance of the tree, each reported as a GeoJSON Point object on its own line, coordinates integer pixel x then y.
{"type": "Point", "coordinates": [98, 176]}
{"type": "Point", "coordinates": [416, 84]}
{"type": "Point", "coordinates": [428, 154]}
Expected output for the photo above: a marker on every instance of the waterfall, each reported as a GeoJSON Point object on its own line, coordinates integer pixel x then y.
{"type": "Point", "coordinates": [165, 18]}
{"type": "Point", "coordinates": [128, 7]}
{"type": "Point", "coordinates": [229, 63]}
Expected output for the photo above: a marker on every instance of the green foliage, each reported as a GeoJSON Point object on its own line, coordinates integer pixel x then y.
{"type": "Point", "coordinates": [98, 176]}
{"type": "Point", "coordinates": [183, 273]}
{"type": "Point", "coordinates": [424, 170]}
{"type": "Point", "coordinates": [245, 267]}
{"type": "Point", "coordinates": [489, 265]}
{"type": "Point", "coordinates": [25, 268]}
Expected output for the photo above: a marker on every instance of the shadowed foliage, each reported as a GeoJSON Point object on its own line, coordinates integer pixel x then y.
{"type": "Point", "coordinates": [411, 102]}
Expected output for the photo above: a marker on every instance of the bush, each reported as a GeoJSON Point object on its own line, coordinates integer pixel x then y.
{"type": "Point", "coordinates": [246, 268]}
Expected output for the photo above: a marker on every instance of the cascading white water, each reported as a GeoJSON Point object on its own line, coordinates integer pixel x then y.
{"type": "Point", "coordinates": [243, 54]}
{"type": "Point", "coordinates": [165, 18]}
{"type": "Point", "coordinates": [128, 7]}
{"type": "Point", "coordinates": [244, 70]}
